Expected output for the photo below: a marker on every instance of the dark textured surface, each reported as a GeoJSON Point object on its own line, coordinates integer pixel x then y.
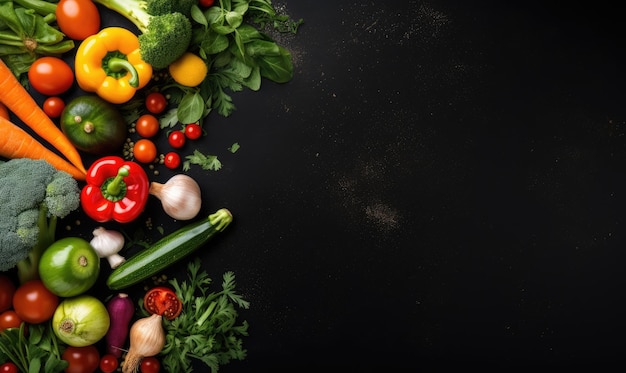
{"type": "Point", "coordinates": [440, 185]}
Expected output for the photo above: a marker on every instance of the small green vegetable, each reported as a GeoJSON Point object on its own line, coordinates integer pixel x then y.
{"type": "Point", "coordinates": [207, 329]}
{"type": "Point", "coordinates": [168, 250]}
{"type": "Point", "coordinates": [69, 267]}
{"type": "Point", "coordinates": [33, 196]}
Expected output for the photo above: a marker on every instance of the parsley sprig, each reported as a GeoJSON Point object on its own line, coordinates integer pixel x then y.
{"type": "Point", "coordinates": [34, 352]}
{"type": "Point", "coordinates": [207, 329]}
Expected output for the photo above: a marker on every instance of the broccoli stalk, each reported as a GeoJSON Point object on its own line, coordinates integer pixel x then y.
{"type": "Point", "coordinates": [28, 268]}
{"type": "Point", "coordinates": [164, 26]}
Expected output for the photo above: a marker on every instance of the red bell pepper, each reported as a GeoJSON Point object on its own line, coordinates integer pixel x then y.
{"type": "Point", "coordinates": [116, 190]}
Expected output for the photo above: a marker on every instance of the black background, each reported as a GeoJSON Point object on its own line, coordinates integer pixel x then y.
{"type": "Point", "coordinates": [441, 185]}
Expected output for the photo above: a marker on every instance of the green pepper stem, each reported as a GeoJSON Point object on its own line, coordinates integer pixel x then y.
{"type": "Point", "coordinates": [116, 64]}
{"type": "Point", "coordinates": [115, 187]}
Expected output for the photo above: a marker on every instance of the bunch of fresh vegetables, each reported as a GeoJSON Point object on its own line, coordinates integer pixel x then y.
{"type": "Point", "coordinates": [185, 61]}
{"type": "Point", "coordinates": [27, 32]}
{"type": "Point", "coordinates": [164, 25]}
{"type": "Point", "coordinates": [17, 143]}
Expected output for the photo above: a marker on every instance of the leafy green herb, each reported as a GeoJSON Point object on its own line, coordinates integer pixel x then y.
{"type": "Point", "coordinates": [191, 108]}
{"type": "Point", "coordinates": [38, 352]}
{"type": "Point", "coordinates": [234, 147]}
{"type": "Point", "coordinates": [237, 53]}
{"type": "Point", "coordinates": [206, 161]}
{"type": "Point", "coordinates": [207, 328]}
{"type": "Point", "coordinates": [169, 119]}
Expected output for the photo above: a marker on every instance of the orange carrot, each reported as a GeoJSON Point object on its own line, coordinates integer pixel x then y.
{"type": "Point", "coordinates": [4, 113]}
{"type": "Point", "coordinates": [21, 103]}
{"type": "Point", "coordinates": [17, 143]}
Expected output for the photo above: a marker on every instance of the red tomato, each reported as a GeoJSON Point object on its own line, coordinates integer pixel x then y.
{"type": "Point", "coordinates": [144, 151]}
{"type": "Point", "coordinates": [150, 365]}
{"type": "Point", "coordinates": [163, 301]}
{"type": "Point", "coordinates": [147, 125]}
{"type": "Point", "coordinates": [50, 76]}
{"type": "Point", "coordinates": [53, 106]}
{"type": "Point", "coordinates": [176, 139]}
{"type": "Point", "coordinates": [193, 131]}
{"type": "Point", "coordinates": [8, 367]}
{"type": "Point", "coordinates": [108, 363]}
{"type": "Point", "coordinates": [156, 102]}
{"type": "Point", "coordinates": [84, 359]}
{"type": "Point", "coordinates": [9, 319]}
{"type": "Point", "coordinates": [78, 19]}
{"type": "Point", "coordinates": [34, 303]}
{"type": "Point", "coordinates": [172, 160]}
{"type": "Point", "coordinates": [206, 3]}
{"type": "Point", "coordinates": [7, 289]}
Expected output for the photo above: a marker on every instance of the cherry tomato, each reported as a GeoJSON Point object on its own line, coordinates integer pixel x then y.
{"type": "Point", "coordinates": [172, 160]}
{"type": "Point", "coordinates": [34, 303]}
{"type": "Point", "coordinates": [108, 363]}
{"type": "Point", "coordinates": [78, 19]}
{"type": "Point", "coordinates": [8, 367]}
{"type": "Point", "coordinates": [7, 289]}
{"type": "Point", "coordinates": [150, 364]}
{"type": "Point", "coordinates": [145, 151]}
{"type": "Point", "coordinates": [53, 106]}
{"type": "Point", "coordinates": [9, 319]}
{"type": "Point", "coordinates": [50, 76]}
{"type": "Point", "coordinates": [163, 301]}
{"type": "Point", "coordinates": [85, 359]}
{"type": "Point", "coordinates": [206, 3]}
{"type": "Point", "coordinates": [193, 131]}
{"type": "Point", "coordinates": [156, 102]}
{"type": "Point", "coordinates": [176, 139]}
{"type": "Point", "coordinates": [147, 125]}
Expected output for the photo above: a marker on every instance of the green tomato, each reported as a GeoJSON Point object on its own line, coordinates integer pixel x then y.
{"type": "Point", "coordinates": [81, 320]}
{"type": "Point", "coordinates": [69, 267]}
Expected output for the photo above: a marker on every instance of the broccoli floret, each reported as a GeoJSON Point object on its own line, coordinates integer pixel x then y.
{"type": "Point", "coordinates": [164, 25]}
{"type": "Point", "coordinates": [161, 48]}
{"type": "Point", "coordinates": [33, 196]}
{"type": "Point", "coordinates": [161, 7]}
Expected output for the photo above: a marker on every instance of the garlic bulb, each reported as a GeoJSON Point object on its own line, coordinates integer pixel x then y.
{"type": "Point", "coordinates": [107, 244]}
{"type": "Point", "coordinates": [180, 196]}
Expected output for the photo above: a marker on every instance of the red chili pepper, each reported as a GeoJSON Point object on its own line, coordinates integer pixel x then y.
{"type": "Point", "coordinates": [116, 190]}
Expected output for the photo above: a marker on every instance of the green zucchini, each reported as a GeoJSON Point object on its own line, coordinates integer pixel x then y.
{"type": "Point", "coordinates": [168, 250]}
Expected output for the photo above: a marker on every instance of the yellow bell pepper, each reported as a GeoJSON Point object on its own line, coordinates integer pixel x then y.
{"type": "Point", "coordinates": [109, 64]}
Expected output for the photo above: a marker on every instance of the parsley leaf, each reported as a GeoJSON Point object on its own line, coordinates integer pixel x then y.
{"type": "Point", "coordinates": [169, 119]}
{"type": "Point", "coordinates": [234, 147]}
{"type": "Point", "coordinates": [206, 161]}
{"type": "Point", "coordinates": [206, 330]}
